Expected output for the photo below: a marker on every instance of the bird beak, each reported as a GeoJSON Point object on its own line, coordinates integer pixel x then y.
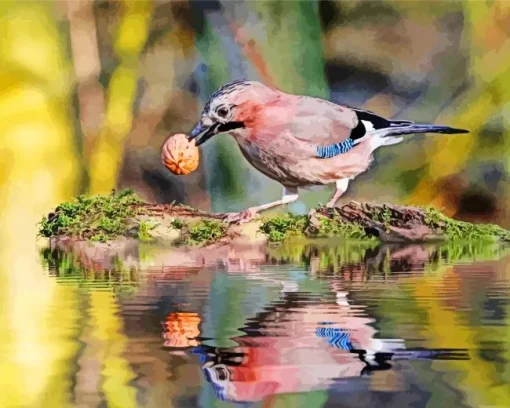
{"type": "Point", "coordinates": [202, 132]}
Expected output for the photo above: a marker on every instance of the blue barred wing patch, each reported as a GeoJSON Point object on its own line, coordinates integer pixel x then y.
{"type": "Point", "coordinates": [335, 337]}
{"type": "Point", "coordinates": [335, 149]}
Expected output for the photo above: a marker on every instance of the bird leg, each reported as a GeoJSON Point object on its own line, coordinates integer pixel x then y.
{"type": "Point", "coordinates": [289, 195]}
{"type": "Point", "coordinates": [341, 188]}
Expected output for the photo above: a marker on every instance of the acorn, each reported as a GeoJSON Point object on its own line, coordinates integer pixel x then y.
{"type": "Point", "coordinates": [180, 155]}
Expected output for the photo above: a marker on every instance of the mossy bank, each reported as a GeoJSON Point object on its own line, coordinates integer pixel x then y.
{"type": "Point", "coordinates": [107, 218]}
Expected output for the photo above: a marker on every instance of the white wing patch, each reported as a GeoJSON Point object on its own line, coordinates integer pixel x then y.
{"type": "Point", "coordinates": [368, 125]}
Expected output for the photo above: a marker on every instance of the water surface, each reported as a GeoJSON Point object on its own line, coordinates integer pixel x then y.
{"type": "Point", "coordinates": [303, 324]}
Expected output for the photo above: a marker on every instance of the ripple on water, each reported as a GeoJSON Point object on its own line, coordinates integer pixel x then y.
{"type": "Point", "coordinates": [391, 325]}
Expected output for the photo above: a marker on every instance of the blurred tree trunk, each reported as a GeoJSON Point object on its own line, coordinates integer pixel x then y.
{"type": "Point", "coordinates": [108, 150]}
{"type": "Point", "coordinates": [40, 170]}
{"type": "Point", "coordinates": [87, 67]}
{"type": "Point", "coordinates": [290, 39]}
{"type": "Point", "coordinates": [225, 172]}
{"type": "Point", "coordinates": [163, 106]}
{"type": "Point", "coordinates": [292, 46]}
{"type": "Point", "coordinates": [272, 36]}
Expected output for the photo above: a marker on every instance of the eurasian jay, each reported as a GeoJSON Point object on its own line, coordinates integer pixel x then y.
{"type": "Point", "coordinates": [299, 141]}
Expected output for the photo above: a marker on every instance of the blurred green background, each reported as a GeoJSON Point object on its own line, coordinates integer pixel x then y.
{"type": "Point", "coordinates": [92, 89]}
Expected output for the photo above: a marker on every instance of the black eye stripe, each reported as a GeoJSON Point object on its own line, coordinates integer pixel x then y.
{"type": "Point", "coordinates": [230, 126]}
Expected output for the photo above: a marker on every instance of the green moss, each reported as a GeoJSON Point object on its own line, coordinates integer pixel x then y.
{"type": "Point", "coordinates": [105, 217]}
{"type": "Point", "coordinates": [328, 223]}
{"type": "Point", "coordinates": [98, 218]}
{"type": "Point", "coordinates": [144, 229]}
{"type": "Point", "coordinates": [178, 224]}
{"type": "Point", "coordinates": [461, 230]}
{"type": "Point", "coordinates": [335, 227]}
{"type": "Point", "coordinates": [203, 232]}
{"type": "Point", "coordinates": [199, 233]}
{"type": "Point", "coordinates": [281, 227]}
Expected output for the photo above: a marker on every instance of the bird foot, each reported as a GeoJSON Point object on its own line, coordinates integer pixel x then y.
{"type": "Point", "coordinates": [314, 211]}
{"type": "Point", "coordinates": [240, 217]}
{"type": "Point", "coordinates": [321, 209]}
{"type": "Point", "coordinates": [331, 204]}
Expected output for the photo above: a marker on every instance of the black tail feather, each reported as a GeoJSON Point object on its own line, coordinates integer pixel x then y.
{"type": "Point", "coordinates": [422, 128]}
{"type": "Point", "coordinates": [370, 123]}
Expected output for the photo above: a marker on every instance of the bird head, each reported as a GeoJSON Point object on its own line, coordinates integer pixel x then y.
{"type": "Point", "coordinates": [229, 108]}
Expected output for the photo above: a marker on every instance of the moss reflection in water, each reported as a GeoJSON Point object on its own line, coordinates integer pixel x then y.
{"type": "Point", "coordinates": [68, 268]}
{"type": "Point", "coordinates": [350, 260]}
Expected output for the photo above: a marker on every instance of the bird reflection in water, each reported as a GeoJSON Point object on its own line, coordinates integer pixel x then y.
{"type": "Point", "coordinates": [289, 349]}
{"type": "Point", "coordinates": [302, 342]}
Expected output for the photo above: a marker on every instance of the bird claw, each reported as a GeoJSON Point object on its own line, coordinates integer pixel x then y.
{"type": "Point", "coordinates": [240, 217]}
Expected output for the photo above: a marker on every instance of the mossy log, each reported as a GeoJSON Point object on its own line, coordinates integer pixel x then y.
{"type": "Point", "coordinates": [110, 218]}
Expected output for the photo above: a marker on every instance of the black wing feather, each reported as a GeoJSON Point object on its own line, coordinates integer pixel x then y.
{"type": "Point", "coordinates": [378, 122]}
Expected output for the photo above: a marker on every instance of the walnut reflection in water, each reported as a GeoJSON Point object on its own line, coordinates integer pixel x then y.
{"type": "Point", "coordinates": [181, 330]}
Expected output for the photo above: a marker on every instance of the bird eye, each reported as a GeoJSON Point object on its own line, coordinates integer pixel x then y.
{"type": "Point", "coordinates": [222, 111]}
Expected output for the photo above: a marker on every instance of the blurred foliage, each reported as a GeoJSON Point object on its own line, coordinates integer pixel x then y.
{"type": "Point", "coordinates": [442, 62]}
{"type": "Point", "coordinates": [108, 150]}
{"type": "Point", "coordinates": [487, 41]}
{"type": "Point", "coordinates": [286, 23]}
